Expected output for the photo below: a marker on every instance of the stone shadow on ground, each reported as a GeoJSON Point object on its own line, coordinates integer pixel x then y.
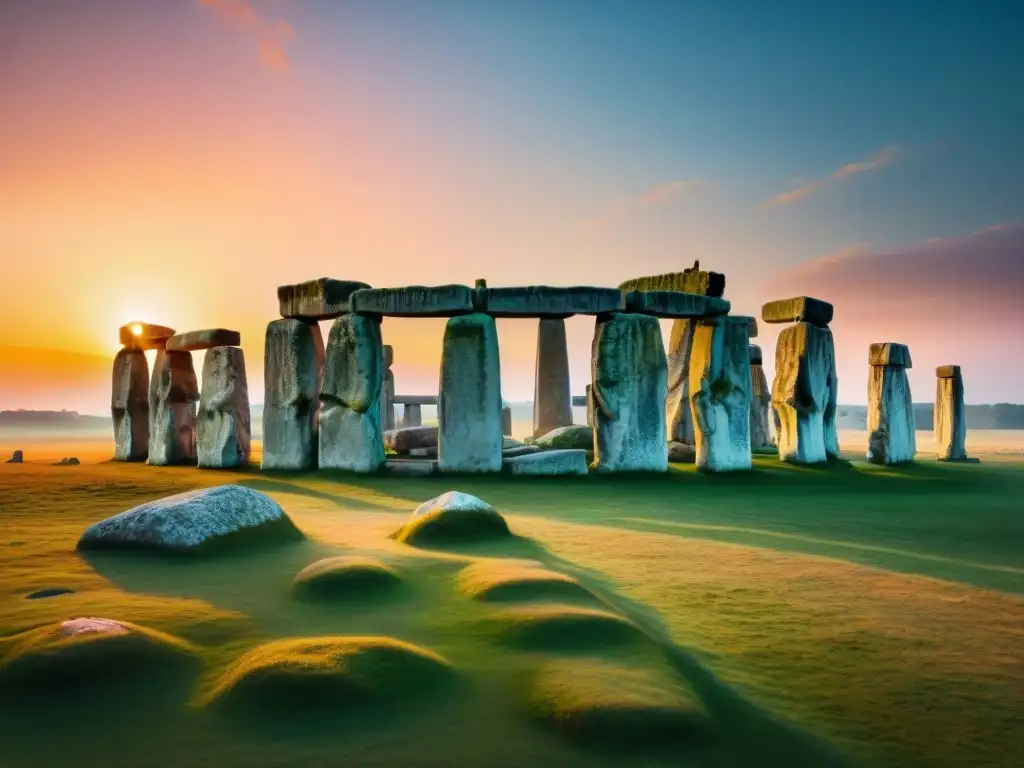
{"type": "Point", "coordinates": [278, 485]}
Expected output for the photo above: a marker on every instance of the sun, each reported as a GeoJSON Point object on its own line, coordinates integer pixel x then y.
{"type": "Point", "coordinates": [136, 329]}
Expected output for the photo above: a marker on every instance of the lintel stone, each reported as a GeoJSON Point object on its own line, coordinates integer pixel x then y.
{"type": "Point", "coordinates": [889, 353]}
{"type": "Point", "coordinates": [321, 299]}
{"type": "Point", "coordinates": [413, 301]}
{"type": "Point", "coordinates": [144, 335]}
{"type": "Point", "coordinates": [194, 341]}
{"type": "Point", "coordinates": [552, 301]}
{"type": "Point", "coordinates": [947, 371]}
{"type": "Point", "coordinates": [692, 280]}
{"type": "Point", "coordinates": [799, 309]}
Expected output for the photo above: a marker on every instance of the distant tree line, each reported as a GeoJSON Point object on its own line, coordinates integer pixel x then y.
{"type": "Point", "coordinates": [997, 416]}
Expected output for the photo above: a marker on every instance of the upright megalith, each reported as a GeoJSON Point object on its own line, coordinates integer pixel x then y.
{"type": "Point", "coordinates": [224, 431]}
{"type": "Point", "coordinates": [891, 438]}
{"type": "Point", "coordinates": [129, 405]}
{"type": "Point", "coordinates": [678, 416]}
{"type": "Point", "coordinates": [387, 391]}
{"type": "Point", "coordinates": [720, 393]}
{"type": "Point", "coordinates": [552, 398]}
{"type": "Point", "coordinates": [828, 418]}
{"type": "Point", "coordinates": [173, 394]}
{"type": "Point", "coordinates": [469, 404]}
{"type": "Point", "coordinates": [760, 402]}
{"type": "Point", "coordinates": [350, 428]}
{"type": "Point", "coordinates": [804, 391]}
{"type": "Point", "coordinates": [950, 421]}
{"type": "Point", "coordinates": [293, 361]}
{"type": "Point", "coordinates": [412, 415]}
{"type": "Point", "coordinates": [629, 384]}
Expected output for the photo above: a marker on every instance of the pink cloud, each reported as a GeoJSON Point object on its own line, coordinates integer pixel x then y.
{"type": "Point", "coordinates": [659, 194]}
{"type": "Point", "coordinates": [879, 159]}
{"type": "Point", "coordinates": [270, 35]}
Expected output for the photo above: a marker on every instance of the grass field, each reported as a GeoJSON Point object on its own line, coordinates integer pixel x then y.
{"type": "Point", "coordinates": [788, 616]}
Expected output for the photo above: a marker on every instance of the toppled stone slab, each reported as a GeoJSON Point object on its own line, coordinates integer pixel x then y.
{"type": "Point", "coordinates": [889, 353]}
{"type": "Point", "coordinates": [414, 301]}
{"type": "Point", "coordinates": [799, 309]}
{"type": "Point", "coordinates": [293, 361]}
{"type": "Point", "coordinates": [629, 388]}
{"type": "Point", "coordinates": [549, 463]}
{"type": "Point", "coordinates": [469, 411]}
{"type": "Point", "coordinates": [350, 420]}
{"type": "Point", "coordinates": [801, 392]}
{"type": "Point", "coordinates": [320, 299]}
{"type": "Point", "coordinates": [552, 301]}
{"type": "Point", "coordinates": [173, 394]}
{"type": "Point", "coordinates": [192, 520]}
{"type": "Point", "coordinates": [891, 438]}
{"type": "Point", "coordinates": [574, 436]}
{"type": "Point", "coordinates": [760, 409]}
{"type": "Point", "coordinates": [224, 428]}
{"type": "Point", "coordinates": [410, 467]}
{"type": "Point", "coordinates": [675, 304]}
{"type": "Point", "coordinates": [129, 405]}
{"type": "Point", "coordinates": [692, 280]}
{"type": "Point", "coordinates": [681, 453]}
{"type": "Point", "coordinates": [950, 416]}
{"type": "Point", "coordinates": [720, 393]}
{"type": "Point", "coordinates": [194, 341]}
{"type": "Point", "coordinates": [18, 457]}
{"type": "Point", "coordinates": [678, 413]}
{"type": "Point", "coordinates": [519, 450]}
{"type": "Point", "coordinates": [144, 335]}
{"type": "Point", "coordinates": [552, 398]}
{"type": "Point", "coordinates": [410, 438]}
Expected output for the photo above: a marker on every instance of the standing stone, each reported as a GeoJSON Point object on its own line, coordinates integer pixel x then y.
{"type": "Point", "coordinates": [760, 402]}
{"type": "Point", "coordinates": [387, 392]}
{"type": "Point", "coordinates": [828, 417]}
{"type": "Point", "coordinates": [590, 406]}
{"type": "Point", "coordinates": [173, 394]}
{"type": "Point", "coordinates": [552, 398]}
{"type": "Point", "coordinates": [629, 373]}
{"type": "Point", "coordinates": [800, 392]}
{"type": "Point", "coordinates": [678, 416]}
{"type": "Point", "coordinates": [506, 421]}
{"type": "Point", "coordinates": [224, 429]}
{"type": "Point", "coordinates": [891, 438]}
{"type": "Point", "coordinates": [720, 393]}
{"type": "Point", "coordinates": [129, 405]}
{"type": "Point", "coordinates": [293, 360]}
{"type": "Point", "coordinates": [950, 421]}
{"type": "Point", "coordinates": [350, 429]}
{"type": "Point", "coordinates": [469, 401]}
{"type": "Point", "coordinates": [412, 416]}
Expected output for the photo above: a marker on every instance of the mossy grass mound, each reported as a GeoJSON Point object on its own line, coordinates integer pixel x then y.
{"type": "Point", "coordinates": [557, 626]}
{"type": "Point", "coordinates": [451, 518]}
{"type": "Point", "coordinates": [517, 581]}
{"type": "Point", "coordinates": [344, 578]}
{"type": "Point", "coordinates": [90, 651]}
{"type": "Point", "coordinates": [327, 673]}
{"type": "Point", "coordinates": [606, 705]}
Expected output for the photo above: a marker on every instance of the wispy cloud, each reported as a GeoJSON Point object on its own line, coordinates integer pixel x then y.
{"type": "Point", "coordinates": [660, 194]}
{"type": "Point", "coordinates": [879, 159]}
{"type": "Point", "coordinates": [271, 35]}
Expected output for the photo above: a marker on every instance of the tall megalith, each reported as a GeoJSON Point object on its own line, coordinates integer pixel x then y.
{"type": "Point", "coordinates": [891, 438]}
{"type": "Point", "coordinates": [293, 360]}
{"type": "Point", "coordinates": [804, 389]}
{"type": "Point", "coordinates": [224, 431]}
{"type": "Point", "coordinates": [720, 393]}
{"type": "Point", "coordinates": [552, 398]}
{"type": "Point", "coordinates": [129, 405]}
{"type": "Point", "coordinates": [760, 402]}
{"type": "Point", "coordinates": [173, 394]}
{"type": "Point", "coordinates": [387, 392]}
{"type": "Point", "coordinates": [469, 405]}
{"type": "Point", "coordinates": [350, 419]}
{"type": "Point", "coordinates": [628, 388]}
{"type": "Point", "coordinates": [950, 420]}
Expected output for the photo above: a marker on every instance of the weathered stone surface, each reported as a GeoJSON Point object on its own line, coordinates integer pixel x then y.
{"type": "Point", "coordinates": [552, 301]}
{"type": "Point", "coordinates": [950, 417]}
{"type": "Point", "coordinates": [320, 299]}
{"type": "Point", "coordinates": [194, 341]}
{"type": "Point", "coordinates": [589, 402]}
{"type": "Point", "coordinates": [574, 436]}
{"type": "Point", "coordinates": [801, 392]}
{"type": "Point", "coordinates": [760, 408]}
{"type": "Point", "coordinates": [469, 410]}
{"type": "Point", "coordinates": [675, 304]}
{"type": "Point", "coordinates": [756, 356]}
{"type": "Point", "coordinates": [173, 394]}
{"type": "Point", "coordinates": [720, 393]}
{"type": "Point", "coordinates": [680, 453]}
{"type": "Point", "coordinates": [629, 387]}
{"type": "Point", "coordinates": [678, 414]}
{"type": "Point", "coordinates": [752, 329]}
{"type": "Point", "coordinates": [144, 335]}
{"type": "Point", "coordinates": [415, 399]}
{"type": "Point", "coordinates": [948, 372]}
{"type": "Point", "coordinates": [692, 280]}
{"type": "Point", "coordinates": [129, 405]}
{"type": "Point", "coordinates": [414, 301]}
{"type": "Point", "coordinates": [550, 463]}
{"type": "Point", "coordinates": [18, 457]}
{"type": "Point", "coordinates": [799, 309]}
{"type": "Point", "coordinates": [293, 361]}
{"type": "Point", "coordinates": [412, 416]}
{"type": "Point", "coordinates": [552, 398]}
{"type": "Point", "coordinates": [224, 429]}
{"type": "Point", "coordinates": [389, 356]}
{"type": "Point", "coordinates": [350, 420]}
{"type": "Point", "coordinates": [408, 438]}
{"type": "Point", "coordinates": [423, 453]}
{"type": "Point", "coordinates": [828, 417]}
{"type": "Point", "coordinates": [187, 521]}
{"type": "Point", "coordinates": [506, 421]}
{"type": "Point", "coordinates": [387, 401]}
{"type": "Point", "coordinates": [519, 450]}
{"type": "Point", "coordinates": [891, 438]}
{"type": "Point", "coordinates": [889, 353]}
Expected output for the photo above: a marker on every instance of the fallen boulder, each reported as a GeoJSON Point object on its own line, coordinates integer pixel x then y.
{"type": "Point", "coordinates": [16, 458]}
{"type": "Point", "coordinates": [681, 453]}
{"type": "Point", "coordinates": [561, 462]}
{"type": "Point", "coordinates": [452, 516]}
{"type": "Point", "coordinates": [410, 438]}
{"type": "Point", "coordinates": [576, 436]}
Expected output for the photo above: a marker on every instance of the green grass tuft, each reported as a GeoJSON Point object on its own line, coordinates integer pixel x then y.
{"type": "Point", "coordinates": [344, 577]}
{"type": "Point", "coordinates": [517, 581]}
{"type": "Point", "coordinates": [546, 626]}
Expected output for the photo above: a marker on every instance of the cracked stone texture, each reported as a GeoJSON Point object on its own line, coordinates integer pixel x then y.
{"type": "Point", "coordinates": [678, 414]}
{"type": "Point", "coordinates": [551, 301]}
{"type": "Point", "coordinates": [293, 360]}
{"type": "Point", "coordinates": [173, 394]}
{"type": "Point", "coordinates": [414, 301]}
{"type": "Point", "coordinates": [224, 429]}
{"type": "Point", "coordinates": [760, 408]}
{"type": "Point", "coordinates": [129, 405]}
{"type": "Point", "coordinates": [891, 438]}
{"type": "Point", "coordinates": [320, 299]}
